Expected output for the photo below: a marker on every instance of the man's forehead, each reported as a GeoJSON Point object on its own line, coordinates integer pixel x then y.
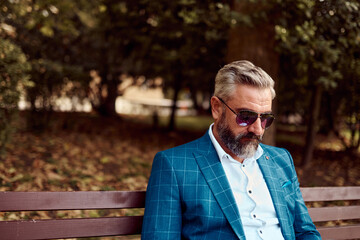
{"type": "Point", "coordinates": [251, 98]}
{"type": "Point", "coordinates": [250, 92]}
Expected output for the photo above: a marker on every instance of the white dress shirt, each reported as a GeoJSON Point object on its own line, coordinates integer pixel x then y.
{"type": "Point", "coordinates": [251, 194]}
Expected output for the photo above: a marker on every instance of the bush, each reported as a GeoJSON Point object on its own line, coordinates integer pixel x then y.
{"type": "Point", "coordinates": [14, 79]}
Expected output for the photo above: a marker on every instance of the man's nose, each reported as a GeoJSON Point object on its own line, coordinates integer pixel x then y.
{"type": "Point", "coordinates": [256, 127]}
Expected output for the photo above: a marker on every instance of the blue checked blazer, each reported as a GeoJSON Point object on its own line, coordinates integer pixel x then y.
{"type": "Point", "coordinates": [189, 197]}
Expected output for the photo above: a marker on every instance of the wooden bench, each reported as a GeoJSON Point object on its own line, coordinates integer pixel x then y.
{"type": "Point", "coordinates": [73, 227]}
{"type": "Point", "coordinates": [128, 225]}
{"type": "Point", "coordinates": [339, 211]}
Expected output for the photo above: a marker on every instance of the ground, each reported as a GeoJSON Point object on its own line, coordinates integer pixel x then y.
{"type": "Point", "coordinates": [86, 152]}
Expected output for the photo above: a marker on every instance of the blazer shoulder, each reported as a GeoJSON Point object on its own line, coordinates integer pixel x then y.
{"type": "Point", "coordinates": [201, 144]}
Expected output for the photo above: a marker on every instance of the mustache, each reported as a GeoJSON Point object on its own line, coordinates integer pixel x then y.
{"type": "Point", "coordinates": [250, 135]}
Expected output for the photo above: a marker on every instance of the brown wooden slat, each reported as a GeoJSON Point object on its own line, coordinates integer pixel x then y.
{"type": "Point", "coordinates": [341, 232]}
{"type": "Point", "coordinates": [323, 214]}
{"type": "Point", "coordinates": [70, 228]}
{"type": "Point", "coordinates": [311, 194]}
{"type": "Point", "coordinates": [32, 201]}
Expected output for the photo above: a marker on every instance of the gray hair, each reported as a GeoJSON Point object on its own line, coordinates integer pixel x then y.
{"type": "Point", "coordinates": [241, 72]}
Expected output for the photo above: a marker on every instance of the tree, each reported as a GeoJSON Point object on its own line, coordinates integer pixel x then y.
{"type": "Point", "coordinates": [345, 102]}
{"type": "Point", "coordinates": [14, 79]}
{"type": "Point", "coordinates": [253, 39]}
{"type": "Point", "coordinates": [182, 41]}
{"type": "Point", "coordinates": [321, 39]}
{"type": "Point", "coordinates": [113, 38]}
{"type": "Point", "coordinates": [188, 43]}
{"type": "Point", "coordinates": [318, 43]}
{"type": "Point", "coordinates": [46, 32]}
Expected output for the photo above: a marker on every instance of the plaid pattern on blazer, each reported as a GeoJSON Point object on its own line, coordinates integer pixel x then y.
{"type": "Point", "coordinates": [189, 197]}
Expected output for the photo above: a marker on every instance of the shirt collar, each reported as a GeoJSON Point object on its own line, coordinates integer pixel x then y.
{"type": "Point", "coordinates": [222, 154]}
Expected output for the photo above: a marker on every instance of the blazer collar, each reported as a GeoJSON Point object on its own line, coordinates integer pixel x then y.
{"type": "Point", "coordinates": [213, 172]}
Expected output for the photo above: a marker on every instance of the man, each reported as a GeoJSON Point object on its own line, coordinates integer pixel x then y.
{"type": "Point", "coordinates": [226, 185]}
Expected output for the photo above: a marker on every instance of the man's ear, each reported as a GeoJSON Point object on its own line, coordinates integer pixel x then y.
{"type": "Point", "coordinates": [216, 108]}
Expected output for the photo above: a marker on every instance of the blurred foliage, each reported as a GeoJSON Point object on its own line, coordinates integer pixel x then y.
{"type": "Point", "coordinates": [171, 39]}
{"type": "Point", "coordinates": [45, 37]}
{"type": "Point", "coordinates": [320, 48]}
{"type": "Point", "coordinates": [14, 79]}
{"type": "Point", "coordinates": [184, 42]}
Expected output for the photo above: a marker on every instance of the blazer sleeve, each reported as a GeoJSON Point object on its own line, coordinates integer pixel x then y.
{"type": "Point", "coordinates": [162, 217]}
{"type": "Point", "coordinates": [303, 225]}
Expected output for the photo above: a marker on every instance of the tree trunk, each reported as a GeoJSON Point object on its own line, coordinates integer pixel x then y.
{"type": "Point", "coordinates": [107, 101]}
{"type": "Point", "coordinates": [312, 126]}
{"type": "Point", "coordinates": [249, 43]}
{"type": "Point", "coordinates": [194, 98]}
{"type": "Point", "coordinates": [177, 88]}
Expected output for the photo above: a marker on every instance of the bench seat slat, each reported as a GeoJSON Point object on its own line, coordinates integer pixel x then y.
{"type": "Point", "coordinates": [341, 232]}
{"type": "Point", "coordinates": [70, 228]}
{"type": "Point", "coordinates": [334, 213]}
{"type": "Point", "coordinates": [311, 194]}
{"type": "Point", "coordinates": [35, 201]}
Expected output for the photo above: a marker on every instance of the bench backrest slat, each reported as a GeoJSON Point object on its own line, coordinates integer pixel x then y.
{"type": "Point", "coordinates": [311, 194]}
{"type": "Point", "coordinates": [340, 232]}
{"type": "Point", "coordinates": [70, 228]}
{"type": "Point", "coordinates": [33, 201]}
{"type": "Point", "coordinates": [334, 213]}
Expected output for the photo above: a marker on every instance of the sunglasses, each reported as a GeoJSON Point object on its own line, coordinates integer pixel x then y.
{"type": "Point", "coordinates": [247, 117]}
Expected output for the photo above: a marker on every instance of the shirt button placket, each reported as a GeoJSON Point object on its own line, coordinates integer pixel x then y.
{"type": "Point", "coordinates": [260, 231]}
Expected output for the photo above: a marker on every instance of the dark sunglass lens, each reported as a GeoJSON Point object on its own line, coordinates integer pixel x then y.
{"type": "Point", "coordinates": [246, 118]}
{"type": "Point", "coordinates": [266, 120]}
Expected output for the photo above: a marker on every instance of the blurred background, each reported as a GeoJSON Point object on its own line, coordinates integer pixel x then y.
{"type": "Point", "coordinates": [91, 90]}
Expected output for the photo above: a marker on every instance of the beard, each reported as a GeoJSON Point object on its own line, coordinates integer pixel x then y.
{"type": "Point", "coordinates": [243, 145]}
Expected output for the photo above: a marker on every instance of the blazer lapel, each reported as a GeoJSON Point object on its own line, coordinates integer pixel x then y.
{"type": "Point", "coordinates": [214, 174]}
{"type": "Point", "coordinates": [270, 171]}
